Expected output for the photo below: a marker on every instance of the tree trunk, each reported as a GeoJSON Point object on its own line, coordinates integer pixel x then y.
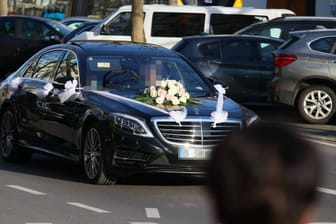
{"type": "Point", "coordinates": [138, 21]}
{"type": "Point", "coordinates": [3, 7]}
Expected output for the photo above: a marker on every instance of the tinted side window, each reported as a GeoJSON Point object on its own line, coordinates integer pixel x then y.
{"type": "Point", "coordinates": [274, 31]}
{"type": "Point", "coordinates": [324, 44]}
{"type": "Point", "coordinates": [120, 25]}
{"type": "Point", "coordinates": [34, 30]}
{"type": "Point", "coordinates": [237, 51]}
{"type": "Point", "coordinates": [74, 25]}
{"type": "Point", "coordinates": [45, 66]}
{"type": "Point", "coordinates": [68, 68]}
{"type": "Point", "coordinates": [177, 24]}
{"type": "Point", "coordinates": [7, 27]}
{"type": "Point", "coordinates": [298, 27]}
{"type": "Point", "coordinates": [305, 27]}
{"type": "Point", "coordinates": [265, 49]}
{"type": "Point", "coordinates": [328, 25]}
{"type": "Point", "coordinates": [227, 24]}
{"type": "Point", "coordinates": [210, 49]}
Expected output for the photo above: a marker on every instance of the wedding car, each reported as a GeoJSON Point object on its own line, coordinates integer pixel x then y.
{"type": "Point", "coordinates": [117, 108]}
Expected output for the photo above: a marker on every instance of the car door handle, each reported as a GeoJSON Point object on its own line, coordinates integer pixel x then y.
{"type": "Point", "coordinates": [215, 62]}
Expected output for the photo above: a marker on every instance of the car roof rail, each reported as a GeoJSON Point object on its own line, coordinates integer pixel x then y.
{"type": "Point", "coordinates": [283, 17]}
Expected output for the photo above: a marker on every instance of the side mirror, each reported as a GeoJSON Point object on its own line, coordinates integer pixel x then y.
{"type": "Point", "coordinates": [60, 82]}
{"type": "Point", "coordinates": [103, 29]}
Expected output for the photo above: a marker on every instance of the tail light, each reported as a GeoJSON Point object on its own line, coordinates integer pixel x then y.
{"type": "Point", "coordinates": [276, 89]}
{"type": "Point", "coordinates": [282, 60]}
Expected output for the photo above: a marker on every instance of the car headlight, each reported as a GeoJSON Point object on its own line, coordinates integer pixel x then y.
{"type": "Point", "coordinates": [131, 124]}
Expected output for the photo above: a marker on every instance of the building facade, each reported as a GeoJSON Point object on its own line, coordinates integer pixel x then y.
{"type": "Point", "coordinates": [300, 7]}
{"type": "Point", "coordinates": [102, 8]}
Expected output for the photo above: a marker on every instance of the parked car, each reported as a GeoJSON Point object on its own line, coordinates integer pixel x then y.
{"type": "Point", "coordinates": [22, 36]}
{"type": "Point", "coordinates": [165, 25]}
{"type": "Point", "coordinates": [280, 27]}
{"type": "Point", "coordinates": [88, 102]}
{"type": "Point", "coordinates": [243, 63]}
{"type": "Point", "coordinates": [305, 74]}
{"type": "Point", "coordinates": [86, 26]}
{"type": "Point", "coordinates": [74, 22]}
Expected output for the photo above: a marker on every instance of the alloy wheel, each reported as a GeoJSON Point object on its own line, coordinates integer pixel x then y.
{"type": "Point", "coordinates": [92, 153]}
{"type": "Point", "coordinates": [7, 134]}
{"type": "Point", "coordinates": [318, 104]}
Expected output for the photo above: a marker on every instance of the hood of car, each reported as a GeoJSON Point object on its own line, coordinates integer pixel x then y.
{"type": "Point", "coordinates": [124, 103]}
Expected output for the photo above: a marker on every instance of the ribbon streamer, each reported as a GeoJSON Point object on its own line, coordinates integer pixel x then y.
{"type": "Point", "coordinates": [178, 115]}
{"type": "Point", "coordinates": [219, 116]}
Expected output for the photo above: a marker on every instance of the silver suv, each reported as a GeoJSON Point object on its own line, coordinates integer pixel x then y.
{"type": "Point", "coordinates": [282, 26]}
{"type": "Point", "coordinates": [305, 74]}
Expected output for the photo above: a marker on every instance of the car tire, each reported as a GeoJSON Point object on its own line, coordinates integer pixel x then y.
{"type": "Point", "coordinates": [9, 149]}
{"type": "Point", "coordinates": [316, 104]}
{"type": "Point", "coordinates": [94, 157]}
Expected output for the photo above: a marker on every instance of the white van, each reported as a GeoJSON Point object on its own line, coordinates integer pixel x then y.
{"type": "Point", "coordinates": [166, 24]}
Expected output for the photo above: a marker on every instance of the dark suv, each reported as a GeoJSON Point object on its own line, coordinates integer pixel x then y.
{"type": "Point", "coordinates": [243, 63]}
{"type": "Point", "coordinates": [22, 36]}
{"type": "Point", "coordinates": [305, 74]}
{"type": "Point", "coordinates": [280, 27]}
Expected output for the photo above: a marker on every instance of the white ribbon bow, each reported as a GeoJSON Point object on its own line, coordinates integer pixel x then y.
{"type": "Point", "coordinates": [69, 92]}
{"type": "Point", "coordinates": [219, 116]}
{"type": "Point", "coordinates": [178, 115]}
{"type": "Point", "coordinates": [15, 83]}
{"type": "Point", "coordinates": [45, 91]}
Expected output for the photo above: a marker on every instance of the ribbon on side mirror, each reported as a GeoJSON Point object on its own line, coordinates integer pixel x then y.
{"type": "Point", "coordinates": [69, 92]}
{"type": "Point", "coordinates": [15, 83]}
{"type": "Point", "coordinates": [41, 93]}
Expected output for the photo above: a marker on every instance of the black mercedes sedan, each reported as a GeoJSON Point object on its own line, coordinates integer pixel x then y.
{"type": "Point", "coordinates": [116, 108]}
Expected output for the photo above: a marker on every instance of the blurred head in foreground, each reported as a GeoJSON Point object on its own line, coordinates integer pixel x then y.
{"type": "Point", "coordinates": [263, 175]}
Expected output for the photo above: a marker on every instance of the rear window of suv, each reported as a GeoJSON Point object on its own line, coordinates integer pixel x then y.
{"type": "Point", "coordinates": [325, 45]}
{"type": "Point", "coordinates": [210, 49]}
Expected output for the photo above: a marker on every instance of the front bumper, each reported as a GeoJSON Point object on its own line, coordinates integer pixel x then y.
{"type": "Point", "coordinates": [133, 154]}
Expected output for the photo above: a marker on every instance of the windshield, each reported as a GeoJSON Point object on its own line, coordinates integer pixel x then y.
{"type": "Point", "coordinates": [135, 74]}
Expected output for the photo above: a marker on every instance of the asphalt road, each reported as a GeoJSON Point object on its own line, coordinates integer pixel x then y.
{"type": "Point", "coordinates": [288, 115]}
{"type": "Point", "coordinates": [50, 191]}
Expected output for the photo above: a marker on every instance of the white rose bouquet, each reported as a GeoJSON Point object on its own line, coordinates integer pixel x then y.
{"type": "Point", "coordinates": [166, 93]}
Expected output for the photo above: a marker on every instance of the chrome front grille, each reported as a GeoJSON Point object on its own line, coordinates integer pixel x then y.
{"type": "Point", "coordinates": [196, 132]}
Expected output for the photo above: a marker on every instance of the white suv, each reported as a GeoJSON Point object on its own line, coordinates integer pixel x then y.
{"type": "Point", "coordinates": [165, 24]}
